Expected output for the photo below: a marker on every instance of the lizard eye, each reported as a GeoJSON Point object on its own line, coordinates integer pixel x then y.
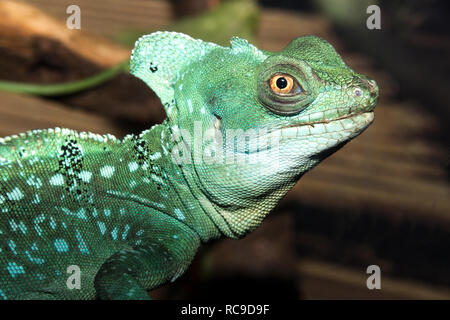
{"type": "Point", "coordinates": [284, 84]}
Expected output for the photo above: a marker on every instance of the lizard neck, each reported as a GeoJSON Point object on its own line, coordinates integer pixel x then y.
{"type": "Point", "coordinates": [244, 214]}
{"type": "Point", "coordinates": [164, 183]}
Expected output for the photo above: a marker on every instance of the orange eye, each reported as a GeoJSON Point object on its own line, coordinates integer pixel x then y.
{"type": "Point", "coordinates": [281, 83]}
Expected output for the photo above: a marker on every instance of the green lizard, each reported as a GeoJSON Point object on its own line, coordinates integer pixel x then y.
{"type": "Point", "coordinates": [243, 125]}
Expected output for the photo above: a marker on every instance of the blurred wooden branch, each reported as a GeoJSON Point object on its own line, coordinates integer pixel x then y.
{"type": "Point", "coordinates": [21, 113]}
{"type": "Point", "coordinates": [37, 48]}
{"type": "Point", "coordinates": [193, 7]}
{"type": "Point", "coordinates": [21, 24]}
{"type": "Point", "coordinates": [328, 281]}
{"type": "Point", "coordinates": [31, 51]}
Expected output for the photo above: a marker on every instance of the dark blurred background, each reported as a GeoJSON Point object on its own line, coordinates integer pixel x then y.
{"type": "Point", "coordinates": [381, 200]}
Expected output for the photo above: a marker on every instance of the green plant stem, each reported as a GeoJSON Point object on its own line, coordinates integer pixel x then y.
{"type": "Point", "coordinates": [64, 88]}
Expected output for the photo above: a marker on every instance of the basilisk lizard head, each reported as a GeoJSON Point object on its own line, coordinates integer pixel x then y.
{"type": "Point", "coordinates": [248, 123]}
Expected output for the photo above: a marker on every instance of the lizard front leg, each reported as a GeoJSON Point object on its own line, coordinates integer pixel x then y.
{"type": "Point", "coordinates": [130, 272]}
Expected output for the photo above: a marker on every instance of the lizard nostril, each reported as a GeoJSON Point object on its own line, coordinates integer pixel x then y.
{"type": "Point", "coordinates": [374, 93]}
{"type": "Point", "coordinates": [371, 85]}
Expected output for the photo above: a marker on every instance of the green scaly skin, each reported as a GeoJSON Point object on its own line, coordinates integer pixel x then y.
{"type": "Point", "coordinates": [131, 213]}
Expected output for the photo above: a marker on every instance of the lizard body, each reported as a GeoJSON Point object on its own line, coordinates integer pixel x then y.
{"type": "Point", "coordinates": [243, 125]}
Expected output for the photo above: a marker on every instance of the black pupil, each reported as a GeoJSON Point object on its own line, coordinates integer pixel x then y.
{"type": "Point", "coordinates": [281, 83]}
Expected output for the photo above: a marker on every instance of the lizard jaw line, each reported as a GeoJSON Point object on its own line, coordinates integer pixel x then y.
{"type": "Point", "coordinates": [328, 121]}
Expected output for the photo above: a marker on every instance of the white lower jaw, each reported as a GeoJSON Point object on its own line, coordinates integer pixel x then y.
{"type": "Point", "coordinates": [299, 145]}
{"type": "Point", "coordinates": [340, 128]}
{"type": "Point", "coordinates": [306, 140]}
{"type": "Point", "coordinates": [312, 140]}
{"type": "Point", "coordinates": [289, 148]}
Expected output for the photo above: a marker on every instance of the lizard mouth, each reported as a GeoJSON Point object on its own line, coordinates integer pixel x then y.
{"type": "Point", "coordinates": [325, 121]}
{"type": "Point", "coordinates": [338, 129]}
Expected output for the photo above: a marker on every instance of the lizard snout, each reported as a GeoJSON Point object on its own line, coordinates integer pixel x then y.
{"type": "Point", "coordinates": [371, 90]}
{"type": "Point", "coordinates": [369, 85]}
